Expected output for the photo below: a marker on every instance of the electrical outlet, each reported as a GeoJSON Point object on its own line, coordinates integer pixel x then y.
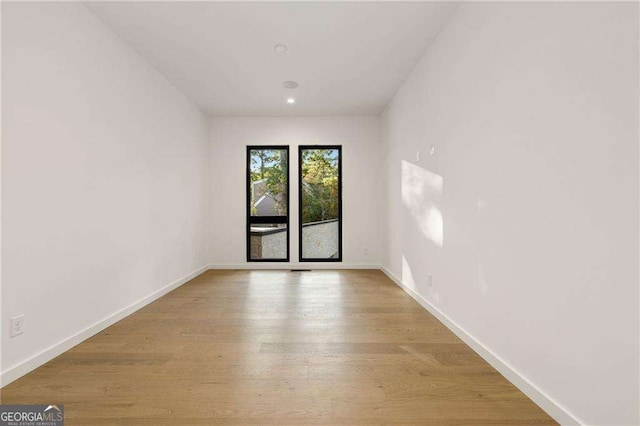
{"type": "Point", "coordinates": [17, 325]}
{"type": "Point", "coordinates": [429, 279]}
{"type": "Point", "coordinates": [418, 156]}
{"type": "Point", "coordinates": [365, 251]}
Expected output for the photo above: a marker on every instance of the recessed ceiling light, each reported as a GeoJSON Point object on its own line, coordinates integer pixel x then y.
{"type": "Point", "coordinates": [280, 48]}
{"type": "Point", "coordinates": [291, 101]}
{"type": "Point", "coordinates": [290, 84]}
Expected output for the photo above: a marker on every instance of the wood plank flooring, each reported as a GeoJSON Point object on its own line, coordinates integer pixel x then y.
{"type": "Point", "coordinates": [278, 348]}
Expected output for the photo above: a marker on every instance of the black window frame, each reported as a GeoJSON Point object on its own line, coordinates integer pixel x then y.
{"type": "Point", "coordinates": [267, 219]}
{"type": "Point", "coordinates": [300, 224]}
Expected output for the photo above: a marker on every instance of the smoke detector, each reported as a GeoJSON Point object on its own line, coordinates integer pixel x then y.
{"type": "Point", "coordinates": [280, 48]}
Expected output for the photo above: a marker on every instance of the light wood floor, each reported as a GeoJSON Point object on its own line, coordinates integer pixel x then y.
{"type": "Point", "coordinates": [280, 348]}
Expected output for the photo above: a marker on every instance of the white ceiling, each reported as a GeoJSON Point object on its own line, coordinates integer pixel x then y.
{"type": "Point", "coordinates": [348, 57]}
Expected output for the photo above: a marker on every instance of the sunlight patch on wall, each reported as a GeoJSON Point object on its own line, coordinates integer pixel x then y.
{"type": "Point", "coordinates": [407, 275]}
{"type": "Point", "coordinates": [421, 195]}
{"type": "Point", "coordinates": [483, 285]}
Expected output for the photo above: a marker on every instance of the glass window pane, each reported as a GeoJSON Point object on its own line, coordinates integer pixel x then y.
{"type": "Point", "coordinates": [268, 182]}
{"type": "Point", "coordinates": [267, 203]}
{"type": "Point", "coordinates": [269, 241]}
{"type": "Point", "coordinates": [320, 203]}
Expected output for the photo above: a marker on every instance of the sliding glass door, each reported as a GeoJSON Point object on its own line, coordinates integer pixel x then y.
{"type": "Point", "coordinates": [320, 203]}
{"type": "Point", "coordinates": [268, 203]}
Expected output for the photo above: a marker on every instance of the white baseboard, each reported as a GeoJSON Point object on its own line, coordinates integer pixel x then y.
{"type": "Point", "coordinates": [288, 265]}
{"type": "Point", "coordinates": [551, 407]}
{"type": "Point", "coordinates": [48, 354]}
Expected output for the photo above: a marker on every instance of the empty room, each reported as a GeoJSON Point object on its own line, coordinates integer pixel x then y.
{"type": "Point", "coordinates": [320, 213]}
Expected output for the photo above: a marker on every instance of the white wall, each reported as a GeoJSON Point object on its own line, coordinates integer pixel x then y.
{"type": "Point", "coordinates": [104, 174]}
{"type": "Point", "coordinates": [527, 214]}
{"type": "Point", "coordinates": [361, 181]}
